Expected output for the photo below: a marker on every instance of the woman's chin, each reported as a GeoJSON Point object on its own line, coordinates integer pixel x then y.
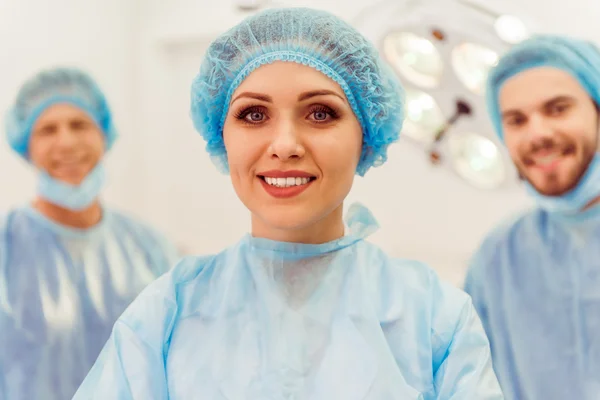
{"type": "Point", "coordinates": [285, 222]}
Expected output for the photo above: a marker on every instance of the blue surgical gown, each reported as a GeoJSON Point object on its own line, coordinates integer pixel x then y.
{"type": "Point", "coordinates": [535, 283]}
{"type": "Point", "coordinates": [61, 291]}
{"type": "Point", "coordinates": [274, 320]}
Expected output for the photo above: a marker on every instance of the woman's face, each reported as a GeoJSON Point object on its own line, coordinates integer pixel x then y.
{"type": "Point", "coordinates": [293, 144]}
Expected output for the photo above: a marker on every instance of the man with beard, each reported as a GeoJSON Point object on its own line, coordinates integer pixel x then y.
{"type": "Point", "coordinates": [536, 280]}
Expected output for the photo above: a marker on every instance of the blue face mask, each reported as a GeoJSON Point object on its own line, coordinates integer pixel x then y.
{"type": "Point", "coordinates": [72, 197]}
{"type": "Point", "coordinates": [575, 200]}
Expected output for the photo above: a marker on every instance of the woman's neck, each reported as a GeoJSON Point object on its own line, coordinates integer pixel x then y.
{"type": "Point", "coordinates": [82, 219]}
{"type": "Point", "coordinates": [327, 229]}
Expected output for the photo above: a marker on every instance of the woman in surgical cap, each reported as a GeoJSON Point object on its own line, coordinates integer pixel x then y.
{"type": "Point", "coordinates": [293, 103]}
{"type": "Point", "coordinates": [69, 266]}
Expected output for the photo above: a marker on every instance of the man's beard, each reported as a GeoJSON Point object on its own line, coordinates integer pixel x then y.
{"type": "Point", "coordinates": [559, 190]}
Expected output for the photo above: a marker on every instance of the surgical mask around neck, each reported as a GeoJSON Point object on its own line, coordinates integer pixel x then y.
{"type": "Point", "coordinates": [572, 202]}
{"type": "Point", "coordinates": [72, 197]}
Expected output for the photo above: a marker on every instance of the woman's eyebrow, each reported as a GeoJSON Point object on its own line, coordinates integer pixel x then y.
{"type": "Point", "coordinates": [252, 95]}
{"type": "Point", "coordinates": [314, 93]}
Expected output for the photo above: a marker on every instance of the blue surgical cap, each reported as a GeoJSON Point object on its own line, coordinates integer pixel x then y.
{"type": "Point", "coordinates": [309, 37]}
{"type": "Point", "coordinates": [577, 57]}
{"type": "Point", "coordinates": [49, 87]}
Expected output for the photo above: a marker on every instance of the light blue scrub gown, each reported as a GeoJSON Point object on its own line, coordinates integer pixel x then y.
{"type": "Point", "coordinates": [61, 290]}
{"type": "Point", "coordinates": [272, 320]}
{"type": "Point", "coordinates": [536, 285]}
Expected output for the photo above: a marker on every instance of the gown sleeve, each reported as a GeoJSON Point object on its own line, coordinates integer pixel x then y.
{"type": "Point", "coordinates": [462, 358]}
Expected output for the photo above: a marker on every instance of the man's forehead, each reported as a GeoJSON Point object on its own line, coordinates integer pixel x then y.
{"type": "Point", "coordinates": [537, 86]}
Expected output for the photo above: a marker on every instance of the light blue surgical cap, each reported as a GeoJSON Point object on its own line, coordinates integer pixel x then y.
{"type": "Point", "coordinates": [577, 57]}
{"type": "Point", "coordinates": [49, 87]}
{"type": "Point", "coordinates": [309, 37]}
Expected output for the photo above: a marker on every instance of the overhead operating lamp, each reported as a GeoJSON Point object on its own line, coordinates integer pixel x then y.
{"type": "Point", "coordinates": [443, 51]}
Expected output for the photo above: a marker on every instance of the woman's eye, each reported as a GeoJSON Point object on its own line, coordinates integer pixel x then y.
{"type": "Point", "coordinates": [255, 116]}
{"type": "Point", "coordinates": [320, 115]}
{"type": "Point", "coordinates": [252, 115]}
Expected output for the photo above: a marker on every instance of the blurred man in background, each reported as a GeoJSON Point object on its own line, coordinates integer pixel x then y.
{"type": "Point", "coordinates": [69, 266]}
{"type": "Point", "coordinates": [536, 280]}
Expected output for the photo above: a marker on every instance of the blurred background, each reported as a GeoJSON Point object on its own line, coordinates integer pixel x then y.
{"type": "Point", "coordinates": [435, 200]}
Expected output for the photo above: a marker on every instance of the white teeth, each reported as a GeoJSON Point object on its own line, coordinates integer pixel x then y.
{"type": "Point", "coordinates": [286, 182]}
{"type": "Point", "coordinates": [546, 159]}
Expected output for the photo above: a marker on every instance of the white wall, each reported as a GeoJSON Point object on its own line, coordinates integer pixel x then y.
{"type": "Point", "coordinates": [96, 35]}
